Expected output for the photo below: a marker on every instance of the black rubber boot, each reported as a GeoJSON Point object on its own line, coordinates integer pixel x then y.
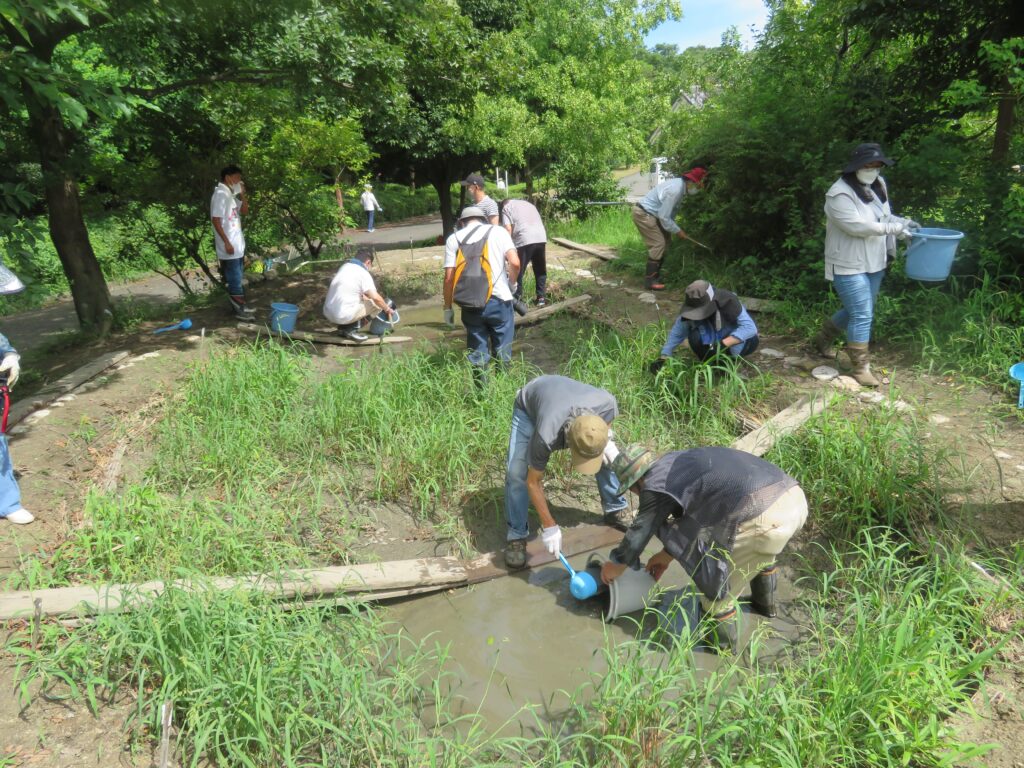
{"type": "Point", "coordinates": [762, 591]}
{"type": "Point", "coordinates": [542, 290]}
{"type": "Point", "coordinates": [723, 634]}
{"type": "Point", "coordinates": [515, 553]}
{"type": "Point", "coordinates": [652, 278]}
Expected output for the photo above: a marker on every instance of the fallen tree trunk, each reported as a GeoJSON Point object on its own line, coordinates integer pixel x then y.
{"type": "Point", "coordinates": [589, 250]}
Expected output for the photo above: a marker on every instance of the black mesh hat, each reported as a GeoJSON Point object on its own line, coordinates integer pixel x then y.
{"type": "Point", "coordinates": [864, 154]}
{"type": "Point", "coordinates": [698, 301]}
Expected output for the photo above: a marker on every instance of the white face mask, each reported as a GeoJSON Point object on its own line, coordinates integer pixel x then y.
{"type": "Point", "coordinates": [868, 175]}
{"type": "Point", "coordinates": [236, 188]}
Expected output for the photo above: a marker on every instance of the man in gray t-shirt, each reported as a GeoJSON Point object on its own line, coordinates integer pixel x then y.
{"type": "Point", "coordinates": [552, 413]}
{"type": "Point", "coordinates": [523, 222]}
{"type": "Point", "coordinates": [474, 184]}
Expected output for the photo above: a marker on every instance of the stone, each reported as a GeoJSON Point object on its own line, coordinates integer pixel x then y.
{"type": "Point", "coordinates": [774, 354]}
{"type": "Point", "coordinates": [1002, 455]}
{"type": "Point", "coordinates": [871, 396]}
{"type": "Point", "coordinates": [846, 384]}
{"type": "Point", "coordinates": [584, 273]}
{"type": "Point", "coordinates": [938, 418]}
{"type": "Point", "coordinates": [648, 298]}
{"type": "Point", "coordinates": [824, 373]}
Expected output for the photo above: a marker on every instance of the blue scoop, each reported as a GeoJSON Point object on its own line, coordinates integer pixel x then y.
{"type": "Point", "coordinates": [184, 325]}
{"type": "Point", "coordinates": [582, 584]}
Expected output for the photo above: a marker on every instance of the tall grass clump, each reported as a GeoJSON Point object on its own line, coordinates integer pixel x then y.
{"type": "Point", "coordinates": [252, 683]}
{"type": "Point", "coordinates": [863, 468]}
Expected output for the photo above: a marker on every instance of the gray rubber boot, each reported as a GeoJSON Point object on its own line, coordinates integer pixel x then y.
{"type": "Point", "coordinates": [824, 341]}
{"type": "Point", "coordinates": [861, 359]}
{"type": "Point", "coordinates": [762, 591]}
{"type": "Point", "coordinates": [723, 634]}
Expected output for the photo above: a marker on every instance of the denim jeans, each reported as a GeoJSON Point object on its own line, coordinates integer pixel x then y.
{"type": "Point", "coordinates": [683, 330]}
{"type": "Point", "coordinates": [489, 332]}
{"type": "Point", "coordinates": [369, 219]}
{"type": "Point", "coordinates": [10, 496]}
{"type": "Point", "coordinates": [858, 294]}
{"type": "Point", "coordinates": [517, 498]}
{"type": "Point", "coordinates": [231, 270]}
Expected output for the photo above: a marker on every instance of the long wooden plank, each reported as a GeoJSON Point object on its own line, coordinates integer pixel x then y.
{"type": "Point", "coordinates": [64, 385]}
{"type": "Point", "coordinates": [365, 579]}
{"type": "Point", "coordinates": [761, 440]}
{"type": "Point", "coordinates": [604, 255]}
{"type": "Point", "coordinates": [323, 338]}
{"type": "Point", "coordinates": [575, 541]}
{"type": "Point", "coordinates": [535, 315]}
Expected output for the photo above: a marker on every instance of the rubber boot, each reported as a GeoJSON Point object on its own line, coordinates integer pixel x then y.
{"type": "Point", "coordinates": [652, 279]}
{"type": "Point", "coordinates": [762, 591]}
{"type": "Point", "coordinates": [824, 342]}
{"type": "Point", "coordinates": [861, 359]}
{"type": "Point", "coordinates": [723, 634]}
{"type": "Point", "coordinates": [242, 312]}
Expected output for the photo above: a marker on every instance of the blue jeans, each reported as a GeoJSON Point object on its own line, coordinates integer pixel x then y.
{"type": "Point", "coordinates": [10, 496]}
{"type": "Point", "coordinates": [231, 270]}
{"type": "Point", "coordinates": [517, 497]}
{"type": "Point", "coordinates": [685, 331]}
{"type": "Point", "coordinates": [489, 332]}
{"type": "Point", "coordinates": [369, 219]}
{"type": "Point", "coordinates": [858, 294]}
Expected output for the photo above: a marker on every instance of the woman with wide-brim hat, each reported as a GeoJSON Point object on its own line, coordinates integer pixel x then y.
{"type": "Point", "coordinates": [860, 237]}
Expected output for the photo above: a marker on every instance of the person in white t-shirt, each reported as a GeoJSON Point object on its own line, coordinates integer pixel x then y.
{"type": "Point", "coordinates": [353, 297]}
{"type": "Point", "coordinates": [370, 205]}
{"type": "Point", "coordinates": [489, 330]}
{"type": "Point", "coordinates": [227, 206]}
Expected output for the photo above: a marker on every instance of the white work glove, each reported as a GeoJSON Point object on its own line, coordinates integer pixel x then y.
{"type": "Point", "coordinates": [11, 365]}
{"type": "Point", "coordinates": [449, 317]}
{"type": "Point", "coordinates": [552, 538]}
{"type": "Point", "coordinates": [611, 450]}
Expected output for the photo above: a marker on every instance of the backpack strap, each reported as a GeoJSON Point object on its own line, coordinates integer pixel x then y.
{"type": "Point", "coordinates": [494, 280]}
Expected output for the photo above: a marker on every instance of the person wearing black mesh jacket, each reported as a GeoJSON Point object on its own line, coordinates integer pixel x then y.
{"type": "Point", "coordinates": [723, 514]}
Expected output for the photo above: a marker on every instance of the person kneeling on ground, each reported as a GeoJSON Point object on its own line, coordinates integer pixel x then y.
{"type": "Point", "coordinates": [723, 514]}
{"type": "Point", "coordinates": [552, 413]}
{"type": "Point", "coordinates": [712, 320]}
{"type": "Point", "coordinates": [352, 298]}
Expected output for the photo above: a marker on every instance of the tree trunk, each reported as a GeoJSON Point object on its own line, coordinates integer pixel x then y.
{"type": "Point", "coordinates": [1005, 119]}
{"type": "Point", "coordinates": [340, 197]}
{"type": "Point", "coordinates": [67, 227]}
{"type": "Point", "coordinates": [443, 186]}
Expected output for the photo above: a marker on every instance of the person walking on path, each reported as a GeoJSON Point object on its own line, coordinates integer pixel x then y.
{"type": "Point", "coordinates": [860, 238]}
{"type": "Point", "coordinates": [654, 217]}
{"type": "Point", "coordinates": [522, 220]}
{"type": "Point", "coordinates": [227, 207]}
{"type": "Point", "coordinates": [712, 320]}
{"type": "Point", "coordinates": [10, 368]}
{"type": "Point", "coordinates": [489, 319]}
{"type": "Point", "coordinates": [723, 514]}
{"type": "Point", "coordinates": [474, 184]}
{"type": "Point", "coordinates": [370, 205]}
{"type": "Point", "coordinates": [353, 297]}
{"type": "Point", "coordinates": [552, 413]}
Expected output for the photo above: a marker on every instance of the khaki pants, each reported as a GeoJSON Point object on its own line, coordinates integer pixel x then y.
{"type": "Point", "coordinates": [369, 309]}
{"type": "Point", "coordinates": [655, 238]}
{"type": "Point", "coordinates": [758, 543]}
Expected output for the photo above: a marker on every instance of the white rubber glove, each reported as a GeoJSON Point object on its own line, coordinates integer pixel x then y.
{"type": "Point", "coordinates": [11, 365]}
{"type": "Point", "coordinates": [552, 538]}
{"type": "Point", "coordinates": [449, 317]}
{"type": "Point", "coordinates": [910, 224]}
{"type": "Point", "coordinates": [611, 450]}
{"type": "Point", "coordinates": [894, 225]}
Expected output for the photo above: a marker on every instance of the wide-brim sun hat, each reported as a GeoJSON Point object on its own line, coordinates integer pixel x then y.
{"type": "Point", "coordinates": [472, 212]}
{"type": "Point", "coordinates": [864, 154]}
{"type": "Point", "coordinates": [698, 302]}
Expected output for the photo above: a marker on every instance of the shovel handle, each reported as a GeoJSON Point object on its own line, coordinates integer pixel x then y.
{"type": "Point", "coordinates": [566, 564]}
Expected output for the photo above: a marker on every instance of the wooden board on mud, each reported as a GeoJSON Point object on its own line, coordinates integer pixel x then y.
{"type": "Point", "coordinates": [535, 315]}
{"type": "Point", "coordinates": [587, 249]}
{"type": "Point", "coordinates": [760, 441]}
{"type": "Point", "coordinates": [323, 338]}
{"type": "Point", "coordinates": [575, 541]}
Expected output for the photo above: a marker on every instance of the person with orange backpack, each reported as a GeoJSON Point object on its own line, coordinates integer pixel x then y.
{"type": "Point", "coordinates": [480, 265]}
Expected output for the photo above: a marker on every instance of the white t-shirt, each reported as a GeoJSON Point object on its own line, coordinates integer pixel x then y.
{"type": "Point", "coordinates": [225, 207]}
{"type": "Point", "coordinates": [369, 201]}
{"type": "Point", "coordinates": [499, 242]}
{"type": "Point", "coordinates": [350, 286]}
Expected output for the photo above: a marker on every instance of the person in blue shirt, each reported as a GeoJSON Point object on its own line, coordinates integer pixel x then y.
{"type": "Point", "coordinates": [10, 367]}
{"type": "Point", "coordinates": [712, 321]}
{"type": "Point", "coordinates": [654, 217]}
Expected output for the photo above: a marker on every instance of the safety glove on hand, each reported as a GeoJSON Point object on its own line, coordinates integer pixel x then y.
{"type": "Point", "coordinates": [552, 538]}
{"type": "Point", "coordinates": [11, 367]}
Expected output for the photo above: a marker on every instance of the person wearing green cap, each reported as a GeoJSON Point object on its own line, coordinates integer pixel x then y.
{"type": "Point", "coordinates": [723, 514]}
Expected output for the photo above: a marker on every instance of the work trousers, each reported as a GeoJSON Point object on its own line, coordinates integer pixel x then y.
{"type": "Point", "coordinates": [536, 254]}
{"type": "Point", "coordinates": [859, 293]}
{"type": "Point", "coordinates": [683, 330]}
{"type": "Point", "coordinates": [758, 543]}
{"type": "Point", "coordinates": [489, 332]}
{"type": "Point", "coordinates": [655, 238]}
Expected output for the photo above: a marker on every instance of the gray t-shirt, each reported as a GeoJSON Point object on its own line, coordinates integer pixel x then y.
{"type": "Point", "coordinates": [488, 206]}
{"type": "Point", "coordinates": [551, 402]}
{"type": "Point", "coordinates": [524, 218]}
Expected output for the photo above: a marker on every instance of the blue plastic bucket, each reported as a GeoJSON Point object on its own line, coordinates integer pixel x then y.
{"type": "Point", "coordinates": [381, 324]}
{"type": "Point", "coordinates": [1017, 374]}
{"type": "Point", "coordinates": [931, 252]}
{"type": "Point", "coordinates": [282, 317]}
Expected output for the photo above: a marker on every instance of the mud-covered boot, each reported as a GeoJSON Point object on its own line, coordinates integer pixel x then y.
{"type": "Point", "coordinates": [824, 341]}
{"type": "Point", "coordinates": [762, 591]}
{"type": "Point", "coordinates": [861, 359]}
{"type": "Point", "coordinates": [652, 278]}
{"type": "Point", "coordinates": [515, 553]}
{"type": "Point", "coordinates": [242, 312]}
{"type": "Point", "coordinates": [724, 631]}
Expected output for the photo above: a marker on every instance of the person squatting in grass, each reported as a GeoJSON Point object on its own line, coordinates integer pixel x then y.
{"type": "Point", "coordinates": [712, 321]}
{"type": "Point", "coordinates": [490, 326]}
{"type": "Point", "coordinates": [353, 299]}
{"type": "Point", "coordinates": [10, 369]}
{"type": "Point", "coordinates": [227, 207]}
{"type": "Point", "coordinates": [654, 217]}
{"type": "Point", "coordinates": [522, 220]}
{"type": "Point", "coordinates": [724, 514]}
{"type": "Point", "coordinates": [552, 413]}
{"type": "Point", "coordinates": [860, 239]}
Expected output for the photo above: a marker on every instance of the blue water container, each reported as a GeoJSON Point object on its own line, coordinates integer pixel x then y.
{"type": "Point", "coordinates": [282, 317]}
{"type": "Point", "coordinates": [931, 252]}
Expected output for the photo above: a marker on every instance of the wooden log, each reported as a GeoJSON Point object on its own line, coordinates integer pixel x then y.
{"type": "Point", "coordinates": [536, 315]}
{"type": "Point", "coordinates": [64, 385]}
{"type": "Point", "coordinates": [761, 440]}
{"type": "Point", "coordinates": [575, 541]}
{"type": "Point", "coordinates": [589, 250]}
{"type": "Point", "coordinates": [322, 338]}
{"type": "Point", "coordinates": [311, 583]}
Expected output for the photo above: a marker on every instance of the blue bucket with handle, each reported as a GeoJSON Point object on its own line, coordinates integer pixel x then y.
{"type": "Point", "coordinates": [282, 317]}
{"type": "Point", "coordinates": [381, 324]}
{"type": "Point", "coordinates": [931, 252]}
{"type": "Point", "coordinates": [1017, 374]}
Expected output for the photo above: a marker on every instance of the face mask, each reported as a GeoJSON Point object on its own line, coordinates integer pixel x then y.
{"type": "Point", "coordinates": [236, 188]}
{"type": "Point", "coordinates": [868, 175]}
